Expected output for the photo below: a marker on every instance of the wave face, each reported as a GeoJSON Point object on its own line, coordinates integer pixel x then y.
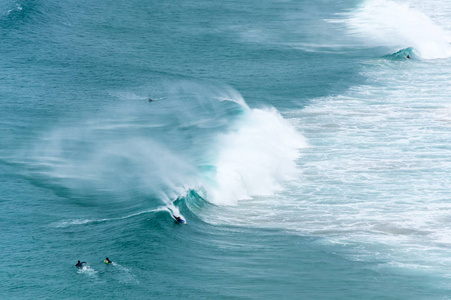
{"type": "Point", "coordinates": [306, 144]}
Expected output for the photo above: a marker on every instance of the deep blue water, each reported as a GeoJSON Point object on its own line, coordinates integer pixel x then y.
{"type": "Point", "coordinates": [309, 155]}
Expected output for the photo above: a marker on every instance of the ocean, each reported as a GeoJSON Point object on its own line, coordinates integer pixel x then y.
{"type": "Point", "coordinates": [307, 144]}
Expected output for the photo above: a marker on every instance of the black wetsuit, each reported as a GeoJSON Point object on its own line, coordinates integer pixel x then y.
{"type": "Point", "coordinates": [80, 264]}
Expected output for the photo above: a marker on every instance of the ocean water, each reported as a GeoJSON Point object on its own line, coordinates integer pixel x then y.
{"type": "Point", "coordinates": [306, 143]}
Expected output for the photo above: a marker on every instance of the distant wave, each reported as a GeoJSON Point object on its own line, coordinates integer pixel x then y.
{"type": "Point", "coordinates": [392, 24]}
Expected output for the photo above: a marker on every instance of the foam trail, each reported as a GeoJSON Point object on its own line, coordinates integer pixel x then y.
{"type": "Point", "coordinates": [88, 271]}
{"type": "Point", "coordinates": [67, 223]}
{"type": "Point", "coordinates": [392, 24]}
{"type": "Point", "coordinates": [127, 276]}
{"type": "Point", "coordinates": [255, 157]}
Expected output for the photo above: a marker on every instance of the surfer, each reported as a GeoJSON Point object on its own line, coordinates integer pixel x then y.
{"type": "Point", "coordinates": [408, 56]}
{"type": "Point", "coordinates": [80, 264]}
{"type": "Point", "coordinates": [150, 100]}
{"type": "Point", "coordinates": [107, 261]}
{"type": "Point", "coordinates": [178, 219]}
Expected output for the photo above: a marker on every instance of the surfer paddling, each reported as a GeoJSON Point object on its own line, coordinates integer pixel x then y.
{"type": "Point", "coordinates": [80, 264]}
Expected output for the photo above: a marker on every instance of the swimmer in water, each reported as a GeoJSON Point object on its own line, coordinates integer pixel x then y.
{"type": "Point", "coordinates": [107, 261]}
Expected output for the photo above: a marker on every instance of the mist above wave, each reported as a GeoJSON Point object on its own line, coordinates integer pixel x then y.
{"type": "Point", "coordinates": [197, 136]}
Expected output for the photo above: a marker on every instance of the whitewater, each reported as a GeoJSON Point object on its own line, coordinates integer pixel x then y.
{"type": "Point", "coordinates": [306, 144]}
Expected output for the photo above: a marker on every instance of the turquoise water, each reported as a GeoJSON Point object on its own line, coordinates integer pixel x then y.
{"type": "Point", "coordinates": [308, 154]}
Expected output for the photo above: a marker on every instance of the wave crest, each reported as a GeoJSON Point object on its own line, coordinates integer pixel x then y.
{"type": "Point", "coordinates": [198, 137]}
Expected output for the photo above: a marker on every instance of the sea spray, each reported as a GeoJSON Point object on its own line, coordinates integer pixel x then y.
{"type": "Point", "coordinates": [135, 150]}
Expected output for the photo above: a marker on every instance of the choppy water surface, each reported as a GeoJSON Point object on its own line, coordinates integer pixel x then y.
{"type": "Point", "coordinates": [306, 144]}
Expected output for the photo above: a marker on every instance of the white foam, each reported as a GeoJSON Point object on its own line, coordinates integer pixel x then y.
{"type": "Point", "coordinates": [377, 174]}
{"type": "Point", "coordinates": [376, 178]}
{"type": "Point", "coordinates": [87, 270]}
{"type": "Point", "coordinates": [255, 158]}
